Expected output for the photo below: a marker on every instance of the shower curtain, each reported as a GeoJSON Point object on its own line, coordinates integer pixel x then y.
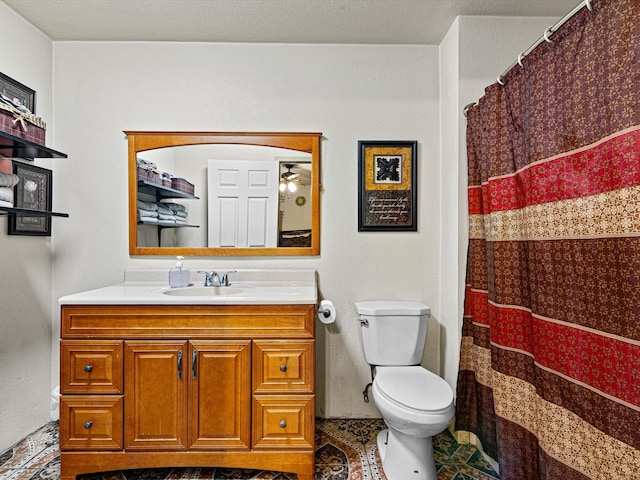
{"type": "Point", "coordinates": [549, 375]}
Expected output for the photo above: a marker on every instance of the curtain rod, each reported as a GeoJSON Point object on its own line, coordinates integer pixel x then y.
{"type": "Point", "coordinates": [544, 38]}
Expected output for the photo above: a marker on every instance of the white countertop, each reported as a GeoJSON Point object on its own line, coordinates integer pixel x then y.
{"type": "Point", "coordinates": [248, 287]}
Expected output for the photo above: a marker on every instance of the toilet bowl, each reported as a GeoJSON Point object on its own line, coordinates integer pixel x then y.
{"type": "Point", "coordinates": [416, 405]}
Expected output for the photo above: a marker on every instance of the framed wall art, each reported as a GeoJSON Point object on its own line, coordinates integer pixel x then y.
{"type": "Point", "coordinates": [387, 194]}
{"type": "Point", "coordinates": [32, 192]}
{"type": "Point", "coordinates": [15, 90]}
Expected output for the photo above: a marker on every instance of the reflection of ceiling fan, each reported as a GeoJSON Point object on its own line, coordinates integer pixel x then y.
{"type": "Point", "coordinates": [288, 179]}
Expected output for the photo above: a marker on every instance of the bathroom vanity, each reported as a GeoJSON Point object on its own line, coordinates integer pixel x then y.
{"type": "Point", "coordinates": [156, 377]}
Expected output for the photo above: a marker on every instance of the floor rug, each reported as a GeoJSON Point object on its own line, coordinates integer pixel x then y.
{"type": "Point", "coordinates": [345, 450]}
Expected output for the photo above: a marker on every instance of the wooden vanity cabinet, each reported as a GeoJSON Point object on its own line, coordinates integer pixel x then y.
{"type": "Point", "coordinates": [187, 394]}
{"type": "Point", "coordinates": [161, 386]}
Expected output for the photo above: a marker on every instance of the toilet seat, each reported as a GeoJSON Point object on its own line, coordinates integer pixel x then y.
{"type": "Point", "coordinates": [414, 388]}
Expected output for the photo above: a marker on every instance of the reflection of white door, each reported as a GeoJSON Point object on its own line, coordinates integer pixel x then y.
{"type": "Point", "coordinates": [243, 203]}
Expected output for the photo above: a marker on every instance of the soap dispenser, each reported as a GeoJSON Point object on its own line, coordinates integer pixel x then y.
{"type": "Point", "coordinates": [178, 275]}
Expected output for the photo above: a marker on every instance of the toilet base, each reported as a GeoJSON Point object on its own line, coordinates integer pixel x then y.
{"type": "Point", "coordinates": [405, 457]}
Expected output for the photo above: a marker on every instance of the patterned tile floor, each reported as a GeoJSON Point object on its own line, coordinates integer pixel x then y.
{"type": "Point", "coordinates": [345, 450]}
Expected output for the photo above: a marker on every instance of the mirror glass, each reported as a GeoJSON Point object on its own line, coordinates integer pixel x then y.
{"type": "Point", "coordinates": [195, 193]}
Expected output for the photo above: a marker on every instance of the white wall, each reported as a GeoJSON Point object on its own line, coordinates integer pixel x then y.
{"type": "Point", "coordinates": [474, 52]}
{"type": "Point", "coordinates": [25, 284]}
{"type": "Point", "coordinates": [489, 45]}
{"type": "Point", "coordinates": [452, 240]}
{"type": "Point", "coordinates": [349, 93]}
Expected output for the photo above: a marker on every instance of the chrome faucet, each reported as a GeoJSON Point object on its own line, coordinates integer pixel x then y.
{"type": "Point", "coordinates": [224, 282]}
{"type": "Point", "coordinates": [211, 279]}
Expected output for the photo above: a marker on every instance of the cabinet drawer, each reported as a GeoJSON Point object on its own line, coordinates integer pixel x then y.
{"type": "Point", "coordinates": [283, 421]}
{"type": "Point", "coordinates": [91, 422]}
{"type": "Point", "coordinates": [187, 321]}
{"type": "Point", "coordinates": [283, 366]}
{"type": "Point", "coordinates": [91, 366]}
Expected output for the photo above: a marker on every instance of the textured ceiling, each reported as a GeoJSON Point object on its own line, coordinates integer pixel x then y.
{"type": "Point", "coordinates": [423, 22]}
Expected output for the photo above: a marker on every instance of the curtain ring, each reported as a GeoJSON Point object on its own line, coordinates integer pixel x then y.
{"type": "Point", "coordinates": [466, 108]}
{"type": "Point", "coordinates": [588, 5]}
{"type": "Point", "coordinates": [520, 57]}
{"type": "Point", "coordinates": [548, 32]}
{"type": "Point", "coordinates": [500, 80]}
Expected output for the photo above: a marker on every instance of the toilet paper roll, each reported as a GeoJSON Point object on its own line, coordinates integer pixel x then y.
{"type": "Point", "coordinates": [326, 312]}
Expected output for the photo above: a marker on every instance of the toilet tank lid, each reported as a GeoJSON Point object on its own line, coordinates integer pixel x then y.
{"type": "Point", "coordinates": [392, 307]}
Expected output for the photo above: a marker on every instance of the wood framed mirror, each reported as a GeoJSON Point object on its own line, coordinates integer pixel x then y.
{"type": "Point", "coordinates": [224, 194]}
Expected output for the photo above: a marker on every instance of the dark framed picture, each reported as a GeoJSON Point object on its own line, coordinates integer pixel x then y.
{"type": "Point", "coordinates": [32, 192]}
{"type": "Point", "coordinates": [387, 192]}
{"type": "Point", "coordinates": [15, 90]}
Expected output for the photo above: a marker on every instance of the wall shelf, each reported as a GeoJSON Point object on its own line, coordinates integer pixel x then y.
{"type": "Point", "coordinates": [29, 212]}
{"type": "Point", "coordinates": [160, 191]}
{"type": "Point", "coordinates": [16, 147]}
{"type": "Point", "coordinates": [167, 225]}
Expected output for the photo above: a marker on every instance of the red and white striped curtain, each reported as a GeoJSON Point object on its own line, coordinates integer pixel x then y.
{"type": "Point", "coordinates": [549, 374]}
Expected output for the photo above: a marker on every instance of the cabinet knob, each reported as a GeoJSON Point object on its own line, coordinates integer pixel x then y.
{"type": "Point", "coordinates": [283, 424]}
{"type": "Point", "coordinates": [88, 368]}
{"type": "Point", "coordinates": [283, 368]}
{"type": "Point", "coordinates": [88, 424]}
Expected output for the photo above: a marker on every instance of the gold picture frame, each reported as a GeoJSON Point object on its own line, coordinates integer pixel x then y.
{"type": "Point", "coordinates": [387, 192]}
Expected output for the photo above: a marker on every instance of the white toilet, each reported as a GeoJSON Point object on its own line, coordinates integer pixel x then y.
{"type": "Point", "coordinates": [414, 403]}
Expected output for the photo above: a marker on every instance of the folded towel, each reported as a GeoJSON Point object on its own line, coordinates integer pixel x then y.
{"type": "Point", "coordinates": [152, 207]}
{"type": "Point", "coordinates": [15, 103]}
{"type": "Point", "coordinates": [8, 179]}
{"type": "Point", "coordinates": [181, 214]}
{"type": "Point", "coordinates": [176, 207]}
{"type": "Point", "coordinates": [6, 194]}
{"type": "Point", "coordinates": [164, 210]}
{"type": "Point", "coordinates": [146, 164]}
{"type": "Point", "coordinates": [163, 217]}
{"type": "Point", "coordinates": [147, 213]}
{"type": "Point", "coordinates": [148, 220]}
{"type": "Point", "coordinates": [4, 203]}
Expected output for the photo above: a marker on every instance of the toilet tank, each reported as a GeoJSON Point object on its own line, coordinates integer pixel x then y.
{"type": "Point", "coordinates": [393, 331]}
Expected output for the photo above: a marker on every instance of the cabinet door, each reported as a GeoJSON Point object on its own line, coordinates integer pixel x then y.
{"type": "Point", "coordinates": [220, 397]}
{"type": "Point", "coordinates": [156, 385]}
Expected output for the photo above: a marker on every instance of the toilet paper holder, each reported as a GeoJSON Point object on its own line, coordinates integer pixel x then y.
{"type": "Point", "coordinates": [326, 312]}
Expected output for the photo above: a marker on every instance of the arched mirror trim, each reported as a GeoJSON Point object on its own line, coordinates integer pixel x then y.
{"type": "Point", "coordinates": [139, 141]}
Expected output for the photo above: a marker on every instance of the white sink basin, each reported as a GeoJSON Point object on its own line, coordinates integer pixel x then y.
{"type": "Point", "coordinates": [203, 291]}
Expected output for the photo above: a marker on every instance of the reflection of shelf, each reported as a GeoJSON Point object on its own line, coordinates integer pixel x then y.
{"type": "Point", "coordinates": [27, 212]}
{"type": "Point", "coordinates": [167, 224]}
{"type": "Point", "coordinates": [12, 146]}
{"type": "Point", "coordinates": [161, 191]}
{"type": "Point", "coordinates": [162, 225]}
